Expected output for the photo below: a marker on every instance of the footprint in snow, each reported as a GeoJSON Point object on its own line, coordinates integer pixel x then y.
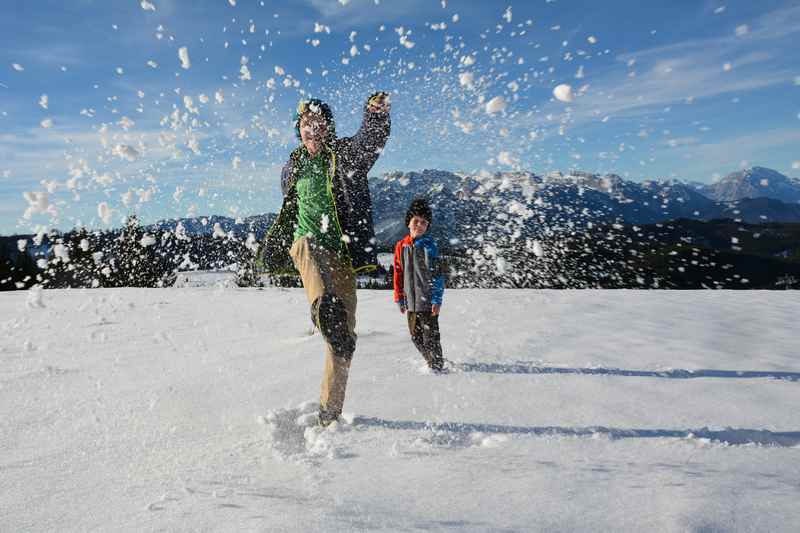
{"type": "Point", "coordinates": [293, 433]}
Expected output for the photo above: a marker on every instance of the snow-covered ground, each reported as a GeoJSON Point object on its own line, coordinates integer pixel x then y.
{"type": "Point", "coordinates": [188, 410]}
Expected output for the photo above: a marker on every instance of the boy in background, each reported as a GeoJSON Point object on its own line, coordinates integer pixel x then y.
{"type": "Point", "coordinates": [419, 283]}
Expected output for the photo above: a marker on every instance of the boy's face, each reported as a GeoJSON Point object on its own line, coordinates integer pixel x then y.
{"type": "Point", "coordinates": [313, 132]}
{"type": "Point", "coordinates": [417, 226]}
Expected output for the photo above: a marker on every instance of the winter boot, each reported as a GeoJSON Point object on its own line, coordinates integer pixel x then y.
{"type": "Point", "coordinates": [437, 365]}
{"type": "Point", "coordinates": [326, 418]}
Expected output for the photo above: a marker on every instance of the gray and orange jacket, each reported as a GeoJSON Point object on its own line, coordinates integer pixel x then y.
{"type": "Point", "coordinates": [350, 158]}
{"type": "Point", "coordinates": [418, 277]}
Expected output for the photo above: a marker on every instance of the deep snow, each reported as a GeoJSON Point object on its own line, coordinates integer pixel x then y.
{"type": "Point", "coordinates": [191, 409]}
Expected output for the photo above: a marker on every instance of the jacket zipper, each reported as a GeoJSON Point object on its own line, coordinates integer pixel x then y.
{"type": "Point", "coordinates": [331, 173]}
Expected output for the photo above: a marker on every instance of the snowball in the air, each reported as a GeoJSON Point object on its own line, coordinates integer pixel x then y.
{"type": "Point", "coordinates": [124, 151]}
{"type": "Point", "coordinates": [38, 202]}
{"type": "Point", "coordinates": [245, 73]}
{"type": "Point", "coordinates": [505, 158]}
{"type": "Point", "coordinates": [495, 105]}
{"type": "Point", "coordinates": [183, 54]}
{"type": "Point", "coordinates": [466, 78]}
{"type": "Point", "coordinates": [148, 6]}
{"type": "Point", "coordinates": [104, 212]}
{"type": "Point", "coordinates": [219, 233]}
{"type": "Point", "coordinates": [563, 92]}
{"type": "Point", "coordinates": [62, 252]}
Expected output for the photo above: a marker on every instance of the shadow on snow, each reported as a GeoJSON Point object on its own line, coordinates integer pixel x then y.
{"type": "Point", "coordinates": [732, 436]}
{"type": "Point", "coordinates": [527, 368]}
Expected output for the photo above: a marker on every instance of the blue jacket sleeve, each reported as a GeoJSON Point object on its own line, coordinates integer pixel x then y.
{"type": "Point", "coordinates": [437, 282]}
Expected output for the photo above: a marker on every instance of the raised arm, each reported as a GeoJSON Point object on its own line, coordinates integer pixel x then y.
{"type": "Point", "coordinates": [437, 279]}
{"type": "Point", "coordinates": [367, 144]}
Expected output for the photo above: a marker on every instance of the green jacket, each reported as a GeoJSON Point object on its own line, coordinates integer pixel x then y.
{"type": "Point", "coordinates": [350, 159]}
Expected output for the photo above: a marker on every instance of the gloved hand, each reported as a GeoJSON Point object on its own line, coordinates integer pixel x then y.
{"type": "Point", "coordinates": [402, 305]}
{"type": "Point", "coordinates": [379, 102]}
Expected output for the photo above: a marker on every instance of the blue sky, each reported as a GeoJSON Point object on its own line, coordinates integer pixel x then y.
{"type": "Point", "coordinates": [681, 89]}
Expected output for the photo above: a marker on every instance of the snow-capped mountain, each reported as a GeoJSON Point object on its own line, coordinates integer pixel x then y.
{"type": "Point", "coordinates": [466, 205]}
{"type": "Point", "coordinates": [755, 182]}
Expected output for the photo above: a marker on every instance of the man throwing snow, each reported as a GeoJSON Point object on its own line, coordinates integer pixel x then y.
{"type": "Point", "coordinates": [324, 229]}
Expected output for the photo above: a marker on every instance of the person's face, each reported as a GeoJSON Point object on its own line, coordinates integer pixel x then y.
{"type": "Point", "coordinates": [313, 132]}
{"type": "Point", "coordinates": [417, 226]}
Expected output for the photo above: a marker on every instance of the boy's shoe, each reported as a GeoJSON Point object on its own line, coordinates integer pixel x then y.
{"type": "Point", "coordinates": [442, 366]}
{"type": "Point", "coordinates": [330, 315]}
{"type": "Point", "coordinates": [437, 366]}
{"type": "Point", "coordinates": [325, 418]}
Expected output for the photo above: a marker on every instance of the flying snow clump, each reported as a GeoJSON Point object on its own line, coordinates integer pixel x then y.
{"type": "Point", "coordinates": [104, 212]}
{"type": "Point", "coordinates": [563, 93]}
{"type": "Point", "coordinates": [183, 54]}
{"type": "Point", "coordinates": [125, 151]}
{"type": "Point", "coordinates": [38, 202]}
{"type": "Point", "coordinates": [219, 233]}
{"type": "Point", "coordinates": [496, 105]}
{"type": "Point", "coordinates": [505, 158]}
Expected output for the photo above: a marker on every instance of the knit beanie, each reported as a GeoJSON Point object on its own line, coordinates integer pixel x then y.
{"type": "Point", "coordinates": [419, 207]}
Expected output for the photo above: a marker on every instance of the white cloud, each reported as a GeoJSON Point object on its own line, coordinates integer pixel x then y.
{"type": "Point", "coordinates": [361, 12]}
{"type": "Point", "coordinates": [691, 70]}
{"type": "Point", "coordinates": [711, 156]}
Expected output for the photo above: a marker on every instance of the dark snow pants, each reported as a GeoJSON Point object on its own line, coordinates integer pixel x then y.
{"type": "Point", "coordinates": [424, 329]}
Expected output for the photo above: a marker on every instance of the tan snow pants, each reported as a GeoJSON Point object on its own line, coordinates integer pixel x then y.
{"type": "Point", "coordinates": [324, 271]}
